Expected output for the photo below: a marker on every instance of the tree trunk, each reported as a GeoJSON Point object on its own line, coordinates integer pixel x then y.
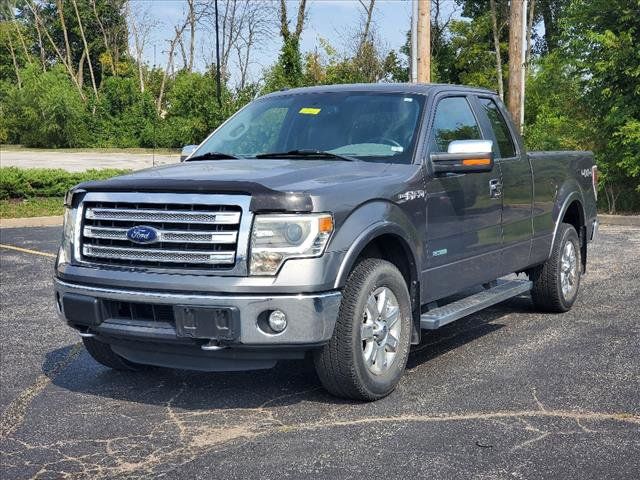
{"type": "Point", "coordinates": [86, 48]}
{"type": "Point", "coordinates": [367, 25]}
{"type": "Point", "coordinates": [15, 61]}
{"type": "Point", "coordinates": [57, 50]}
{"type": "Point", "coordinates": [183, 52]}
{"type": "Point", "coordinates": [139, 42]}
{"type": "Point", "coordinates": [496, 43]}
{"type": "Point", "coordinates": [104, 37]}
{"type": "Point", "coordinates": [192, 27]}
{"type": "Point", "coordinates": [21, 38]}
{"type": "Point", "coordinates": [549, 19]}
{"type": "Point", "coordinates": [284, 23]}
{"type": "Point", "coordinates": [302, 13]}
{"type": "Point", "coordinates": [172, 48]}
{"type": "Point", "coordinates": [532, 11]}
{"type": "Point", "coordinates": [60, 8]}
{"type": "Point", "coordinates": [80, 71]}
{"type": "Point", "coordinates": [41, 47]}
{"type": "Point", "coordinates": [515, 61]}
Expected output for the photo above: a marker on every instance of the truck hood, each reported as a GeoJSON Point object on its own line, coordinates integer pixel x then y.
{"type": "Point", "coordinates": [284, 175]}
{"type": "Point", "coordinates": [273, 184]}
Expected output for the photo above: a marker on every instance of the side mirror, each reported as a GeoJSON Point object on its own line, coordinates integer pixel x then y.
{"type": "Point", "coordinates": [186, 151]}
{"type": "Point", "coordinates": [464, 156]}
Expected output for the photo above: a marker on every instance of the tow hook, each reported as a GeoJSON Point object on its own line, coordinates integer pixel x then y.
{"type": "Point", "coordinates": [85, 333]}
{"type": "Point", "coordinates": [212, 346]}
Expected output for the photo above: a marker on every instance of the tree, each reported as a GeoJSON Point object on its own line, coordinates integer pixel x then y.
{"type": "Point", "coordinates": [57, 28]}
{"type": "Point", "coordinates": [552, 12]}
{"type": "Point", "coordinates": [601, 38]}
{"type": "Point", "coordinates": [288, 71]}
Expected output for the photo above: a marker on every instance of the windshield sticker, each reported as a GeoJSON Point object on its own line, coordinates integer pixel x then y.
{"type": "Point", "coordinates": [408, 99]}
{"type": "Point", "coordinates": [309, 111]}
{"type": "Point", "coordinates": [396, 149]}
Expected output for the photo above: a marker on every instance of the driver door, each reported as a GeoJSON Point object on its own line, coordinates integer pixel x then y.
{"type": "Point", "coordinates": [463, 211]}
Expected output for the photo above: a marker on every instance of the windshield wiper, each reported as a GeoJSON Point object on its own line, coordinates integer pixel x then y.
{"type": "Point", "coordinates": [213, 156]}
{"type": "Point", "coordinates": [306, 154]}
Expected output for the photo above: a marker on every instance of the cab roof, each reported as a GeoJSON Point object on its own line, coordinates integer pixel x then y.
{"type": "Point", "coordinates": [414, 88]}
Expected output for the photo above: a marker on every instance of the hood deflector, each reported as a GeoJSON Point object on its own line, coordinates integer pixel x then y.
{"type": "Point", "coordinates": [262, 198]}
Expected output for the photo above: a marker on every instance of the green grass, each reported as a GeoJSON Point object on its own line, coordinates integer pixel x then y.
{"type": "Point", "coordinates": [31, 207]}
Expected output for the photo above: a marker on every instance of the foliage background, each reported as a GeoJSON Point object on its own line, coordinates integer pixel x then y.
{"type": "Point", "coordinates": [583, 81]}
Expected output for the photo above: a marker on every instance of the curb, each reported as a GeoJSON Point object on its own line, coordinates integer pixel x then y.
{"type": "Point", "coordinates": [623, 220]}
{"type": "Point", "coordinates": [31, 222]}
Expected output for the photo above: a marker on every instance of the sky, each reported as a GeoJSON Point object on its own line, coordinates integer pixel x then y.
{"type": "Point", "coordinates": [332, 20]}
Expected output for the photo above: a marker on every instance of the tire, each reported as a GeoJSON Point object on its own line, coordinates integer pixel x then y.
{"type": "Point", "coordinates": [103, 354]}
{"type": "Point", "coordinates": [547, 292]}
{"type": "Point", "coordinates": [348, 365]}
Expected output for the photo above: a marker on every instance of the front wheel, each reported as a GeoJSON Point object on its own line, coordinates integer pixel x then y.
{"type": "Point", "coordinates": [367, 354]}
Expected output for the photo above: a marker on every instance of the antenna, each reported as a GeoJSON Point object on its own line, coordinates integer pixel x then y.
{"type": "Point", "coordinates": [155, 116]}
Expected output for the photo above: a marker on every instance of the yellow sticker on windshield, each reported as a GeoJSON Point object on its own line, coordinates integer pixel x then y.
{"type": "Point", "coordinates": [309, 111]}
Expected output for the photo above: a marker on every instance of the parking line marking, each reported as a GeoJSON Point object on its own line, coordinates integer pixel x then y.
{"type": "Point", "coordinates": [26, 250]}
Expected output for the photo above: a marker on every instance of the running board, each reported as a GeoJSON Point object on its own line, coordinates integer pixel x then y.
{"type": "Point", "coordinates": [503, 290]}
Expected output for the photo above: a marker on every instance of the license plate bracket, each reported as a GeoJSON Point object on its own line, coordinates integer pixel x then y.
{"type": "Point", "coordinates": [211, 323]}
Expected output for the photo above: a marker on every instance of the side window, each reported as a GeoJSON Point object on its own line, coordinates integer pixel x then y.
{"type": "Point", "coordinates": [500, 128]}
{"type": "Point", "coordinates": [454, 120]}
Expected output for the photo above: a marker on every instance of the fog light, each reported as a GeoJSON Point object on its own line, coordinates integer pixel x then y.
{"type": "Point", "coordinates": [277, 321]}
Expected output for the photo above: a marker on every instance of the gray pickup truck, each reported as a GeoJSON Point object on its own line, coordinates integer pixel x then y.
{"type": "Point", "coordinates": [337, 222]}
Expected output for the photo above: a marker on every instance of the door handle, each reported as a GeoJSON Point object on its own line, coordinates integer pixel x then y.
{"type": "Point", "coordinates": [495, 188]}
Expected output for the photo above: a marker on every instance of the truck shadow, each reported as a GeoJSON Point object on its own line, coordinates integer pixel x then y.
{"type": "Point", "coordinates": [290, 382]}
{"type": "Point", "coordinates": [449, 337]}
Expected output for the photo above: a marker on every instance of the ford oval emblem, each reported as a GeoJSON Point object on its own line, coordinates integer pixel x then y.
{"type": "Point", "coordinates": [142, 234]}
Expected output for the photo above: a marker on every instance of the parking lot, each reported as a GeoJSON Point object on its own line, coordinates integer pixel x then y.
{"type": "Point", "coordinates": [507, 393]}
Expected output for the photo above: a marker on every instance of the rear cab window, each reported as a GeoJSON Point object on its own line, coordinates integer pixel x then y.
{"type": "Point", "coordinates": [506, 146]}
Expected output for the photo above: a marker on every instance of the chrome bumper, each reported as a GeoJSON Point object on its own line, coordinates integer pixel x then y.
{"type": "Point", "coordinates": [311, 317]}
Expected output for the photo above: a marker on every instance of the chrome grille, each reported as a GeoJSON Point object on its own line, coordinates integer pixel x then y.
{"type": "Point", "coordinates": [189, 236]}
{"type": "Point", "coordinates": [162, 216]}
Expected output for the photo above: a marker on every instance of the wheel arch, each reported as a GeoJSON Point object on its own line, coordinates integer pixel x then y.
{"type": "Point", "coordinates": [387, 241]}
{"type": "Point", "coordinates": [572, 212]}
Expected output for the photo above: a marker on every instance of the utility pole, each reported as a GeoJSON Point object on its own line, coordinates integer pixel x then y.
{"type": "Point", "coordinates": [414, 41]}
{"type": "Point", "coordinates": [218, 86]}
{"type": "Point", "coordinates": [523, 69]}
{"type": "Point", "coordinates": [517, 24]}
{"type": "Point", "coordinates": [424, 40]}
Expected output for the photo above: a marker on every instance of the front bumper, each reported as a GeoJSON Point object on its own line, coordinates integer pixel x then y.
{"type": "Point", "coordinates": [311, 317]}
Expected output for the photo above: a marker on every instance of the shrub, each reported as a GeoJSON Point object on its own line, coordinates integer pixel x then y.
{"type": "Point", "coordinates": [48, 111]}
{"type": "Point", "coordinates": [45, 182]}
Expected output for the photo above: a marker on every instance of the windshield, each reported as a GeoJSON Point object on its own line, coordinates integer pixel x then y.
{"type": "Point", "coordinates": [371, 126]}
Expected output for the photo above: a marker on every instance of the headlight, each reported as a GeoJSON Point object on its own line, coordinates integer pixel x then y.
{"type": "Point", "coordinates": [276, 238]}
{"type": "Point", "coordinates": [64, 254]}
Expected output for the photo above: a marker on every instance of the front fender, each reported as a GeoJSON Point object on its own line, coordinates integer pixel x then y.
{"type": "Point", "coordinates": [368, 222]}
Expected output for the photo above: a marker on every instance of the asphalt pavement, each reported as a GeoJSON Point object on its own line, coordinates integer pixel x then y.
{"type": "Point", "coordinates": [504, 394]}
{"type": "Point", "coordinates": [73, 161]}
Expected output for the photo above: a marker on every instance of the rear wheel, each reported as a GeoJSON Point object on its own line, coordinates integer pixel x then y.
{"type": "Point", "coordinates": [103, 354]}
{"type": "Point", "coordinates": [556, 282]}
{"type": "Point", "coordinates": [368, 352]}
